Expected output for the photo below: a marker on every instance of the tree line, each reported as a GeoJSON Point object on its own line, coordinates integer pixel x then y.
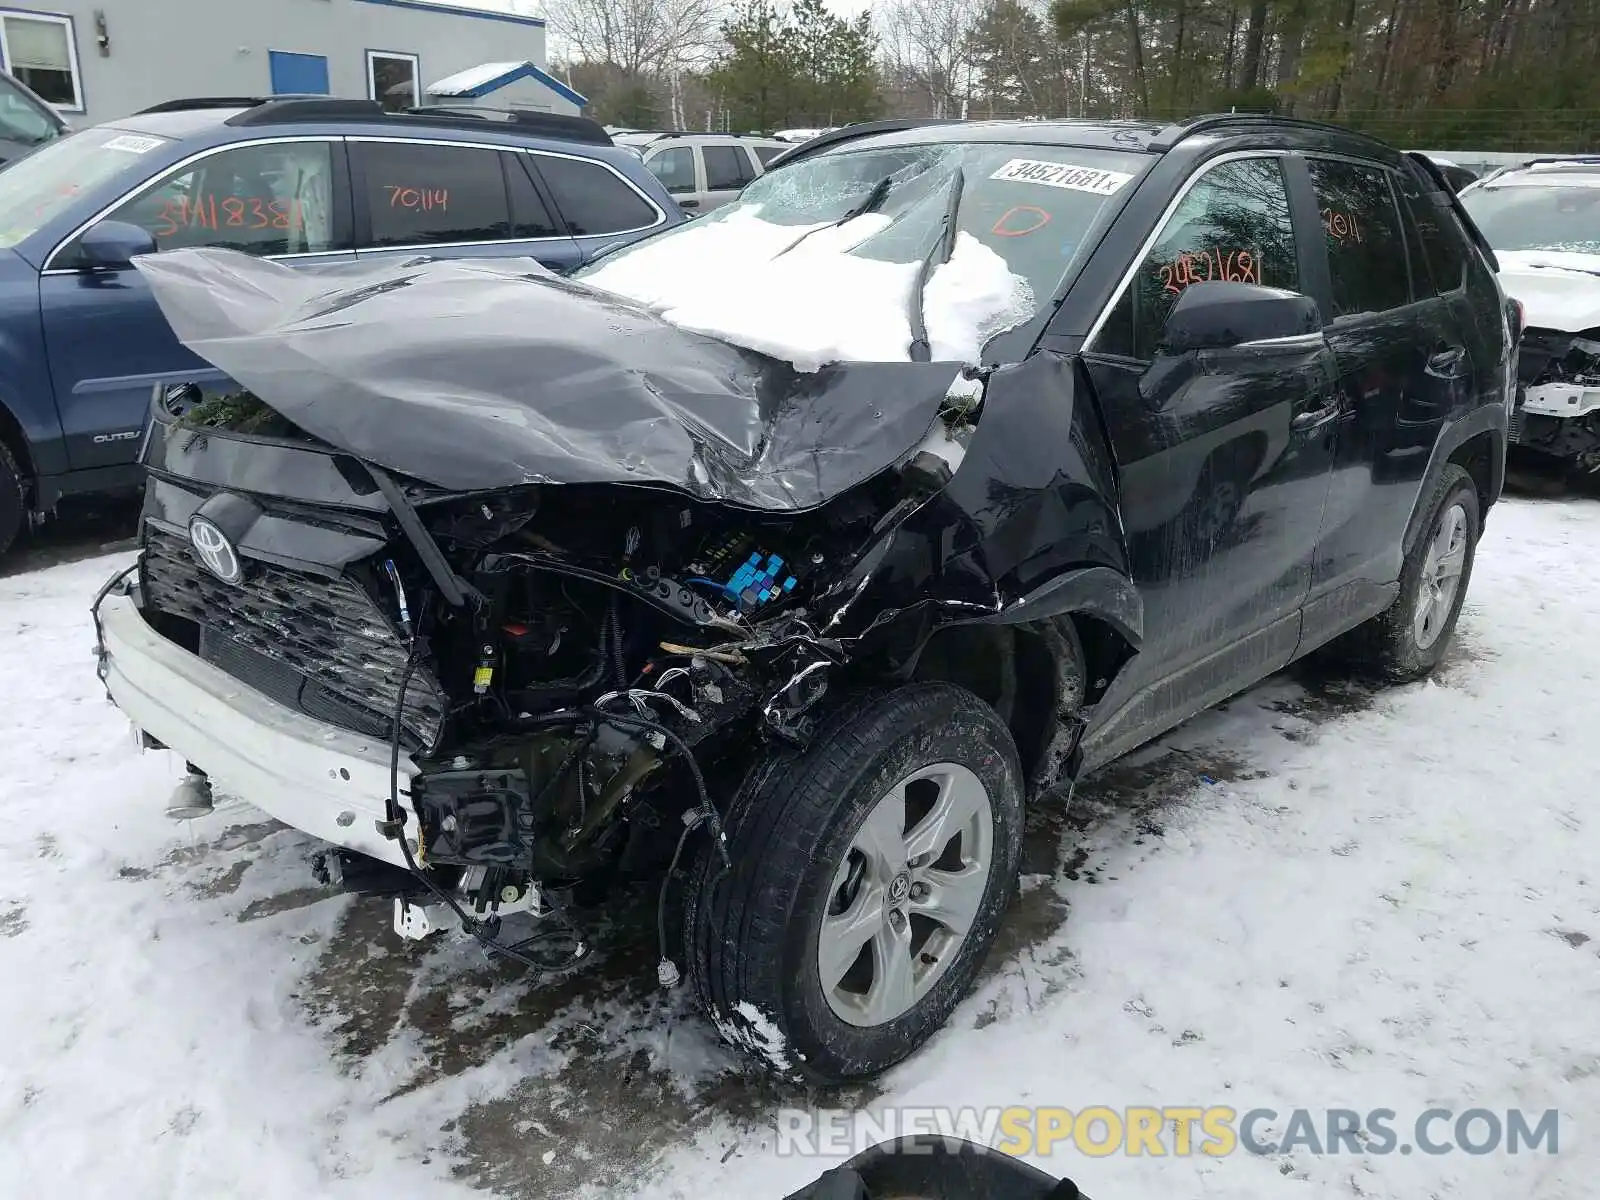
{"type": "Point", "coordinates": [1438, 74]}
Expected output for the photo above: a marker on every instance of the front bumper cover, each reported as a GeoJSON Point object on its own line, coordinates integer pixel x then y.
{"type": "Point", "coordinates": [316, 777]}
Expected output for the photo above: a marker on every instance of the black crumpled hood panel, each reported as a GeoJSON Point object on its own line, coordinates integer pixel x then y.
{"type": "Point", "coordinates": [487, 373]}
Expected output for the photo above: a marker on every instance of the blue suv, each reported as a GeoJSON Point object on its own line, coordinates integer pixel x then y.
{"type": "Point", "coordinates": [302, 180]}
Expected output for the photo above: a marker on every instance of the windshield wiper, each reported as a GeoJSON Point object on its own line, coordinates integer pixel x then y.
{"type": "Point", "coordinates": [873, 201]}
{"type": "Point", "coordinates": [921, 350]}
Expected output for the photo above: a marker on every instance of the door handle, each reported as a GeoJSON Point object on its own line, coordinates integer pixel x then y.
{"type": "Point", "coordinates": [688, 204]}
{"type": "Point", "coordinates": [1302, 422]}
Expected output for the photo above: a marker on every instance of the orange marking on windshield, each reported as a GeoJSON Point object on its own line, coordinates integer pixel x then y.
{"type": "Point", "coordinates": [1001, 229]}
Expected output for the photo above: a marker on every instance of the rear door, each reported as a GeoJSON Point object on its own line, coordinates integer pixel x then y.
{"type": "Point", "coordinates": [452, 200]}
{"type": "Point", "coordinates": [1223, 455]}
{"type": "Point", "coordinates": [107, 341]}
{"type": "Point", "coordinates": [728, 168]}
{"type": "Point", "coordinates": [1404, 362]}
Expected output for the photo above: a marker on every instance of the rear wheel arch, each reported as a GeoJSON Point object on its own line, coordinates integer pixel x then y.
{"type": "Point", "coordinates": [1482, 456]}
{"type": "Point", "coordinates": [1481, 434]}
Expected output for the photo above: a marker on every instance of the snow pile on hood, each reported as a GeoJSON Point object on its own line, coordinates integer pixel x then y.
{"type": "Point", "coordinates": [738, 278]}
{"type": "Point", "coordinates": [1559, 290]}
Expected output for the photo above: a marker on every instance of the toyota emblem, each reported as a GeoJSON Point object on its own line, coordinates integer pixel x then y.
{"type": "Point", "coordinates": [215, 551]}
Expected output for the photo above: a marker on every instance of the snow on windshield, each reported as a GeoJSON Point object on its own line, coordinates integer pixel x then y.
{"type": "Point", "coordinates": [797, 293]}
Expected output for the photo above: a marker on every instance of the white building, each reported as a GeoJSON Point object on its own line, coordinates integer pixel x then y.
{"type": "Point", "coordinates": [100, 59]}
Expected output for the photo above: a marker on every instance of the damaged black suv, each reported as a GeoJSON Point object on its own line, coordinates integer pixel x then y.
{"type": "Point", "coordinates": [785, 557]}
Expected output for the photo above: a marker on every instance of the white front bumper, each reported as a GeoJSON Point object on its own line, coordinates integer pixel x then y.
{"type": "Point", "coordinates": [321, 779]}
{"type": "Point", "coordinates": [1561, 400]}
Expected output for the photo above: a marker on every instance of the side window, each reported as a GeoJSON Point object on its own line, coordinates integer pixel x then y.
{"type": "Point", "coordinates": [530, 217]}
{"type": "Point", "coordinates": [767, 153]}
{"type": "Point", "coordinates": [593, 199]}
{"type": "Point", "coordinates": [1366, 252]}
{"type": "Point", "coordinates": [727, 169]}
{"type": "Point", "coordinates": [675, 168]}
{"type": "Point", "coordinates": [268, 199]}
{"type": "Point", "coordinates": [1440, 236]}
{"type": "Point", "coordinates": [417, 194]}
{"type": "Point", "coordinates": [1233, 226]}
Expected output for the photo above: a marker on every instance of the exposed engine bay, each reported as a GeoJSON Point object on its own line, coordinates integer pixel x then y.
{"type": "Point", "coordinates": [582, 572]}
{"type": "Point", "coordinates": [1559, 412]}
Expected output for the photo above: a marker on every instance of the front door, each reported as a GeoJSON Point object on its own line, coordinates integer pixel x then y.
{"type": "Point", "coordinates": [1224, 458]}
{"type": "Point", "coordinates": [106, 338]}
{"type": "Point", "coordinates": [1404, 365]}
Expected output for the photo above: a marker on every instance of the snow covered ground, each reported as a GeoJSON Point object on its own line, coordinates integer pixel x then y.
{"type": "Point", "coordinates": [1317, 897]}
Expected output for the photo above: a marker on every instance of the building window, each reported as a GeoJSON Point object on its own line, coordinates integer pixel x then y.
{"type": "Point", "coordinates": [40, 50]}
{"type": "Point", "coordinates": [392, 80]}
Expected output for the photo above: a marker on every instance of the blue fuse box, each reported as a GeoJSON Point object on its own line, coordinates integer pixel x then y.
{"type": "Point", "coordinates": [757, 580]}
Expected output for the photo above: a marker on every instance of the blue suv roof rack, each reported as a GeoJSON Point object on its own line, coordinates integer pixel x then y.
{"type": "Point", "coordinates": [286, 110]}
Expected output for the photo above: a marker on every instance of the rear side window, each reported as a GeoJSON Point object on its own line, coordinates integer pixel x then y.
{"type": "Point", "coordinates": [1440, 236]}
{"type": "Point", "coordinates": [727, 168]}
{"type": "Point", "coordinates": [1361, 226]}
{"type": "Point", "coordinates": [1233, 226]}
{"type": "Point", "coordinates": [419, 195]}
{"type": "Point", "coordinates": [593, 199]}
{"type": "Point", "coordinates": [767, 153]}
{"type": "Point", "coordinates": [675, 168]}
{"type": "Point", "coordinates": [530, 217]}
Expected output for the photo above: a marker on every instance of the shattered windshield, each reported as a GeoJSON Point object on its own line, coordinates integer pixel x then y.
{"type": "Point", "coordinates": [856, 255]}
{"type": "Point", "coordinates": [1561, 214]}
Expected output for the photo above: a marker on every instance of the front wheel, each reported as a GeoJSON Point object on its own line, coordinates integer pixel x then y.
{"type": "Point", "coordinates": [1407, 640]}
{"type": "Point", "coordinates": [13, 497]}
{"type": "Point", "coordinates": [869, 877]}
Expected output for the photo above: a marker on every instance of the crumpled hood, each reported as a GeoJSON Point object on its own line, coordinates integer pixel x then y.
{"type": "Point", "coordinates": [1558, 289]}
{"type": "Point", "coordinates": [486, 373]}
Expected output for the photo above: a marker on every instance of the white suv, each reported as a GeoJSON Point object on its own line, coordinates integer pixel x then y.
{"type": "Point", "coordinates": [1543, 220]}
{"type": "Point", "coordinates": [704, 170]}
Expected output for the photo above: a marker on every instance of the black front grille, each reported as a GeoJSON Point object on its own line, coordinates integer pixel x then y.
{"type": "Point", "coordinates": [1515, 422]}
{"type": "Point", "coordinates": [321, 646]}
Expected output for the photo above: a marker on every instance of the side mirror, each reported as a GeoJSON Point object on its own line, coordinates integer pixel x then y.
{"type": "Point", "coordinates": [113, 245]}
{"type": "Point", "coordinates": [1217, 316]}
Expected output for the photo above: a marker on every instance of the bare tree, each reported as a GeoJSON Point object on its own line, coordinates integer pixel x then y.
{"type": "Point", "coordinates": [927, 43]}
{"type": "Point", "coordinates": [641, 38]}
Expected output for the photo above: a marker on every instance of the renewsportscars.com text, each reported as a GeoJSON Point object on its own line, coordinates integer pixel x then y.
{"type": "Point", "coordinates": [1180, 1131]}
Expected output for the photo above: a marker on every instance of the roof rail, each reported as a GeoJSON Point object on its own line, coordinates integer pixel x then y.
{"type": "Point", "coordinates": [285, 110]}
{"type": "Point", "coordinates": [850, 133]}
{"type": "Point", "coordinates": [1189, 127]}
{"type": "Point", "coordinates": [193, 103]}
{"type": "Point", "coordinates": [554, 125]}
{"type": "Point", "coordinates": [282, 110]}
{"type": "Point", "coordinates": [1576, 160]}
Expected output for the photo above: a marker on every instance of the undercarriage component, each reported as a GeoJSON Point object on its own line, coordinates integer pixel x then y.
{"type": "Point", "coordinates": [192, 798]}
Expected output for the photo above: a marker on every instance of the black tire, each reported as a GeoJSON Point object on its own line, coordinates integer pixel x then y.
{"type": "Point", "coordinates": [13, 499]}
{"type": "Point", "coordinates": [752, 930]}
{"type": "Point", "coordinates": [1387, 644]}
